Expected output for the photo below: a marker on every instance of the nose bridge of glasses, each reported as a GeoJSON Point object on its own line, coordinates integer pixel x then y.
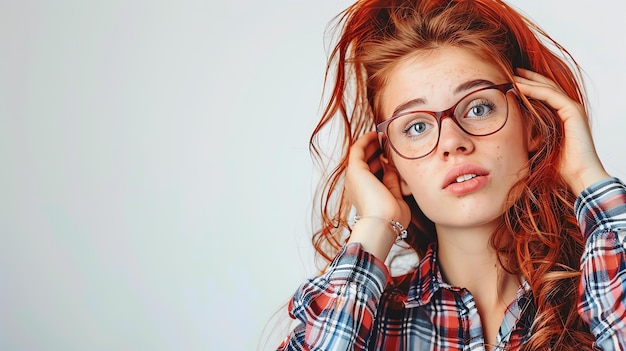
{"type": "Point", "coordinates": [451, 114]}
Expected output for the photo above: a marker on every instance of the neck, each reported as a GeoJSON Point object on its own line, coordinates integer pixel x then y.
{"type": "Point", "coordinates": [468, 260]}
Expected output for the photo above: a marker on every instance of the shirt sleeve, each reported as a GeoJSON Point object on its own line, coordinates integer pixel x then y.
{"type": "Point", "coordinates": [336, 310]}
{"type": "Point", "coordinates": [601, 213]}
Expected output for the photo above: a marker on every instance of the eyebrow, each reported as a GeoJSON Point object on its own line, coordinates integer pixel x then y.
{"type": "Point", "coordinates": [463, 87]}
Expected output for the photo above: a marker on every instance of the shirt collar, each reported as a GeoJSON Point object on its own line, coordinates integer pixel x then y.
{"type": "Point", "coordinates": [426, 280]}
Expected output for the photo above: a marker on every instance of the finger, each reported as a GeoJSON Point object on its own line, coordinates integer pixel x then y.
{"type": "Point", "coordinates": [375, 163]}
{"type": "Point", "coordinates": [373, 159]}
{"type": "Point", "coordinates": [536, 77]}
{"type": "Point", "coordinates": [373, 151]}
{"type": "Point", "coordinates": [527, 81]}
{"type": "Point", "coordinates": [520, 80]}
{"type": "Point", "coordinates": [367, 149]}
{"type": "Point", "coordinates": [554, 98]}
{"type": "Point", "coordinates": [358, 149]}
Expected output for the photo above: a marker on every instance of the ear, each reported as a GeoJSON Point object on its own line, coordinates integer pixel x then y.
{"type": "Point", "coordinates": [534, 137]}
{"type": "Point", "coordinates": [534, 140]}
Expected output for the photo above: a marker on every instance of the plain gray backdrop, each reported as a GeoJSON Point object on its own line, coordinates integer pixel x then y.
{"type": "Point", "coordinates": [155, 183]}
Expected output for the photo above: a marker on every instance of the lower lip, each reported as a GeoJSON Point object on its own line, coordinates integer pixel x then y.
{"type": "Point", "coordinates": [468, 186]}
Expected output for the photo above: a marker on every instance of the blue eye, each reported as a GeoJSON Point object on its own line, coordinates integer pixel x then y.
{"type": "Point", "coordinates": [415, 125]}
{"type": "Point", "coordinates": [480, 109]}
{"type": "Point", "coordinates": [417, 128]}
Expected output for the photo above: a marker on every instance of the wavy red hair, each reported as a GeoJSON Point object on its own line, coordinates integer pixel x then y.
{"type": "Point", "coordinates": [538, 237]}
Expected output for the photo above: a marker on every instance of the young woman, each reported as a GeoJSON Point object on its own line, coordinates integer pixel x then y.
{"type": "Point", "coordinates": [480, 133]}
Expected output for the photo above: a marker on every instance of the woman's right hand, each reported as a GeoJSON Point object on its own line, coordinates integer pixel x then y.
{"type": "Point", "coordinates": [371, 197]}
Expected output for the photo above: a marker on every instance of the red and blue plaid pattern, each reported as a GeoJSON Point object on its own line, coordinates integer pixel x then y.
{"type": "Point", "coordinates": [356, 305]}
{"type": "Point", "coordinates": [601, 213]}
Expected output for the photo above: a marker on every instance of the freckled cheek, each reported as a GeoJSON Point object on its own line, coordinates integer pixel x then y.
{"type": "Point", "coordinates": [512, 163]}
{"type": "Point", "coordinates": [415, 175]}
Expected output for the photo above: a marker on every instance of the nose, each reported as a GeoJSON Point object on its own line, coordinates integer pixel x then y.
{"type": "Point", "coordinates": [453, 140]}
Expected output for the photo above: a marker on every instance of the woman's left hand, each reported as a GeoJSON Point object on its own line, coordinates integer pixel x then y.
{"type": "Point", "coordinates": [580, 164]}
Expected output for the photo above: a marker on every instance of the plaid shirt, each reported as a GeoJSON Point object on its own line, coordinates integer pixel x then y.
{"type": "Point", "coordinates": [356, 305]}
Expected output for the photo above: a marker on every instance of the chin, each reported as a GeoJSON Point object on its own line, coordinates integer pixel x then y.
{"type": "Point", "coordinates": [465, 217]}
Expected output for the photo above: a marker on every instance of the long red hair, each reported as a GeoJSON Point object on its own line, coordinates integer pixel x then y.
{"type": "Point", "coordinates": [538, 237]}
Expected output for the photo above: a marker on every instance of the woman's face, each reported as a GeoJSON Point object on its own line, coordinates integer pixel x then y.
{"type": "Point", "coordinates": [434, 82]}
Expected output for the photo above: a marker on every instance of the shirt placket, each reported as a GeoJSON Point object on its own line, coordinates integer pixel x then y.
{"type": "Point", "coordinates": [472, 326]}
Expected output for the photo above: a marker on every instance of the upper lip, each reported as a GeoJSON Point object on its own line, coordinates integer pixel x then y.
{"type": "Point", "coordinates": [460, 170]}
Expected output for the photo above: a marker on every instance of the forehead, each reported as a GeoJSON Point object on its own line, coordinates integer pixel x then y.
{"type": "Point", "coordinates": [434, 77]}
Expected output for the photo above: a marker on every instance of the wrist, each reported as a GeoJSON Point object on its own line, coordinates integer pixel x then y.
{"type": "Point", "coordinates": [376, 234]}
{"type": "Point", "coordinates": [396, 226]}
{"type": "Point", "coordinates": [585, 179]}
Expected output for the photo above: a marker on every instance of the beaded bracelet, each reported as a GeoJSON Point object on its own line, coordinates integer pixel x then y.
{"type": "Point", "coordinates": [396, 226]}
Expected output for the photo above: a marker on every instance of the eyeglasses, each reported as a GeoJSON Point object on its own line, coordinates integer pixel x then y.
{"type": "Point", "coordinates": [415, 134]}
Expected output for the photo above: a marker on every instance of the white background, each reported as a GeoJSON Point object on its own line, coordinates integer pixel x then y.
{"type": "Point", "coordinates": [155, 181]}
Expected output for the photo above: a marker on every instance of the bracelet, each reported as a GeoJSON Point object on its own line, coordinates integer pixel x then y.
{"type": "Point", "coordinates": [396, 226]}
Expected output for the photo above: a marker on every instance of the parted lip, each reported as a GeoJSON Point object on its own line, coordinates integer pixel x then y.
{"type": "Point", "coordinates": [462, 169]}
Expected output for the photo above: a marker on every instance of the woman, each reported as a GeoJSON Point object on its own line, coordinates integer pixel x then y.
{"type": "Point", "coordinates": [487, 160]}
